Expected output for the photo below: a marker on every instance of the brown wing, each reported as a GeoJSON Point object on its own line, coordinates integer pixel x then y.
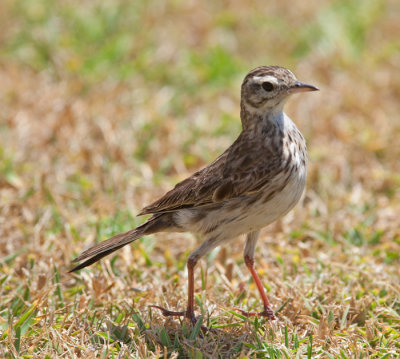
{"type": "Point", "coordinates": [244, 168]}
{"type": "Point", "coordinates": [195, 190]}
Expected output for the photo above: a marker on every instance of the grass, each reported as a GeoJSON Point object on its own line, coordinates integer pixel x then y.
{"type": "Point", "coordinates": [106, 105]}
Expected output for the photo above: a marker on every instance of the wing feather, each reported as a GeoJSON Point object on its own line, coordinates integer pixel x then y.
{"type": "Point", "coordinates": [239, 171]}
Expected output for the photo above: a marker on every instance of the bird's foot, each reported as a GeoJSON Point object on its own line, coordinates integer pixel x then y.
{"type": "Point", "coordinates": [169, 313]}
{"type": "Point", "coordinates": [267, 313]}
{"type": "Point", "coordinates": [189, 315]}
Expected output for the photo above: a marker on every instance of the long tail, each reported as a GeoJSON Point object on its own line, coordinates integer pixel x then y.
{"type": "Point", "coordinates": [157, 223]}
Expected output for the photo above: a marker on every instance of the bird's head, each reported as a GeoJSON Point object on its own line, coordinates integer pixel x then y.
{"type": "Point", "coordinates": [266, 88]}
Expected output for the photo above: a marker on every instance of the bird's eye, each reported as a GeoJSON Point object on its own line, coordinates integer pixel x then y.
{"type": "Point", "coordinates": [267, 86]}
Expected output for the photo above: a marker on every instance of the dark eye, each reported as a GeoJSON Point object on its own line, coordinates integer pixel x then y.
{"type": "Point", "coordinates": [267, 86]}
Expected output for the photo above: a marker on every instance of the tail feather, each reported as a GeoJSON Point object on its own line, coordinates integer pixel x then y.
{"type": "Point", "coordinates": [103, 249]}
{"type": "Point", "coordinates": [157, 223]}
{"type": "Point", "coordinates": [95, 258]}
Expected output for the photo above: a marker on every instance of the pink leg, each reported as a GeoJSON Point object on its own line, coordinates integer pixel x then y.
{"type": "Point", "coordinates": [267, 312]}
{"type": "Point", "coordinates": [189, 313]}
{"type": "Point", "coordinates": [206, 246]}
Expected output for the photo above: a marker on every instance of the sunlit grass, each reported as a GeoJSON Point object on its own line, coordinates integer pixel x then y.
{"type": "Point", "coordinates": [106, 105]}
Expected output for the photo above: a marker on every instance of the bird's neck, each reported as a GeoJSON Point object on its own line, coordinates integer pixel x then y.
{"type": "Point", "coordinates": [259, 118]}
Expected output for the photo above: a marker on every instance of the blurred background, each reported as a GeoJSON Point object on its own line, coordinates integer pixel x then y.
{"type": "Point", "coordinates": [105, 105]}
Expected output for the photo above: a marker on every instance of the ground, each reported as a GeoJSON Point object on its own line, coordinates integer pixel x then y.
{"type": "Point", "coordinates": [106, 105]}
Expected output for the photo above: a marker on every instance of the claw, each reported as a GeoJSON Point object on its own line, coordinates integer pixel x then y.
{"type": "Point", "coordinates": [191, 316]}
{"type": "Point", "coordinates": [168, 313]}
{"type": "Point", "coordinates": [267, 313]}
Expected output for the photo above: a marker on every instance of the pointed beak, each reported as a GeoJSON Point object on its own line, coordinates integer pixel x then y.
{"type": "Point", "coordinates": [302, 87]}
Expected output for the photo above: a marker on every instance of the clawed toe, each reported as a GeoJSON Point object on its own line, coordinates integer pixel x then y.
{"type": "Point", "coordinates": [169, 313]}
{"type": "Point", "coordinates": [267, 313]}
{"type": "Point", "coordinates": [191, 316]}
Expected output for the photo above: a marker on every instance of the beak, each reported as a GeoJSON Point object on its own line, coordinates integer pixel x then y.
{"type": "Point", "coordinates": [302, 87]}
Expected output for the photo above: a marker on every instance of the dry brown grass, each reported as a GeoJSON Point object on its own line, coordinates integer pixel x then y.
{"type": "Point", "coordinates": [82, 149]}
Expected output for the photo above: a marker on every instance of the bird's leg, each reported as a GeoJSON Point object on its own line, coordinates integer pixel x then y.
{"type": "Point", "coordinates": [190, 303]}
{"type": "Point", "coordinates": [249, 260]}
{"type": "Point", "coordinates": [267, 312]}
{"type": "Point", "coordinates": [189, 312]}
{"type": "Point", "coordinates": [205, 247]}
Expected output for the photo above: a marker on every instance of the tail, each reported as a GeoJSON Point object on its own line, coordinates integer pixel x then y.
{"type": "Point", "coordinates": [157, 223]}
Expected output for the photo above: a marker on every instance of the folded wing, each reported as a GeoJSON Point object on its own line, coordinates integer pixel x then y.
{"type": "Point", "coordinates": [239, 171]}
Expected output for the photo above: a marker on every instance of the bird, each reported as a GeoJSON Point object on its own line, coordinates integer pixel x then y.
{"type": "Point", "coordinates": [253, 183]}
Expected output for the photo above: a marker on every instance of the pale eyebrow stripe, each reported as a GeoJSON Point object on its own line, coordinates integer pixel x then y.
{"type": "Point", "coordinates": [269, 78]}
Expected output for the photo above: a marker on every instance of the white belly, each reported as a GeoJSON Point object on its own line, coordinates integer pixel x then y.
{"type": "Point", "coordinates": [236, 217]}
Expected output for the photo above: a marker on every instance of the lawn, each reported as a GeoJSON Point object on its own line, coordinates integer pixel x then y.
{"type": "Point", "coordinates": [105, 105]}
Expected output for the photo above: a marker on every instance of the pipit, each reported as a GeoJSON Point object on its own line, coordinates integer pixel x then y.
{"type": "Point", "coordinates": [257, 180]}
